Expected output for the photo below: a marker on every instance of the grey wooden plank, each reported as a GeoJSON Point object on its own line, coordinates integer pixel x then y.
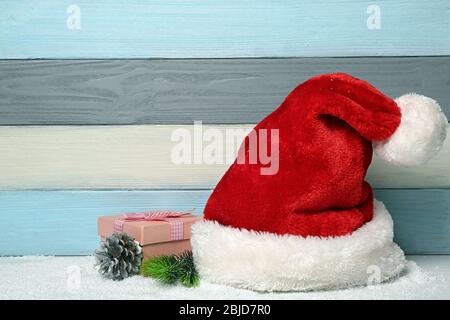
{"type": "Point", "coordinates": [421, 218]}
{"type": "Point", "coordinates": [34, 92]}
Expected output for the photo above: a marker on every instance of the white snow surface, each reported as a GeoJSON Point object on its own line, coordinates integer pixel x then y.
{"type": "Point", "coordinates": [32, 277]}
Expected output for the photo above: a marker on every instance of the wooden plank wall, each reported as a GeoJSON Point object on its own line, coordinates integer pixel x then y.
{"type": "Point", "coordinates": [140, 157]}
{"type": "Point", "coordinates": [182, 91]}
{"type": "Point", "coordinates": [64, 222]}
{"type": "Point", "coordinates": [221, 29]}
{"type": "Point", "coordinates": [86, 129]}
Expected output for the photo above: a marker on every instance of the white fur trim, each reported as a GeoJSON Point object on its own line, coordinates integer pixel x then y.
{"type": "Point", "coordinates": [268, 262]}
{"type": "Point", "coordinates": [421, 133]}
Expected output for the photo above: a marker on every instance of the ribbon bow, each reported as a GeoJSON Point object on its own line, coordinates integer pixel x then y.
{"type": "Point", "coordinates": [172, 217]}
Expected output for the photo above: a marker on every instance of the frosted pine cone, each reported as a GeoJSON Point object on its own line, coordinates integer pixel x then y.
{"type": "Point", "coordinates": [118, 257]}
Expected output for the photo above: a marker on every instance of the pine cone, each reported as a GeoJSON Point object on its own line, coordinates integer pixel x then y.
{"type": "Point", "coordinates": [118, 257]}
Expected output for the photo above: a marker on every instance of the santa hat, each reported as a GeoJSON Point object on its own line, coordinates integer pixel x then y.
{"type": "Point", "coordinates": [314, 224]}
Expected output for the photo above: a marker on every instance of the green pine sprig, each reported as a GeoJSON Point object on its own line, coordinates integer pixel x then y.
{"type": "Point", "coordinates": [161, 268]}
{"type": "Point", "coordinates": [189, 277]}
{"type": "Point", "coordinates": [172, 269]}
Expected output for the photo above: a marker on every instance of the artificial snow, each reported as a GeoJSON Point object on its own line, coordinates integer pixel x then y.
{"type": "Point", "coordinates": [76, 278]}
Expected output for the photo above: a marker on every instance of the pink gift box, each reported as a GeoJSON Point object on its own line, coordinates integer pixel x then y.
{"type": "Point", "coordinates": [153, 236]}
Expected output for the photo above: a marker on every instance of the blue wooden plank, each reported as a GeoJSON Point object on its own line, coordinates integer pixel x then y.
{"type": "Point", "coordinates": [64, 222]}
{"type": "Point", "coordinates": [222, 28]}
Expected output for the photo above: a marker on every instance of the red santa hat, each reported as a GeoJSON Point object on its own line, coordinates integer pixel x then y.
{"type": "Point", "coordinates": [314, 223]}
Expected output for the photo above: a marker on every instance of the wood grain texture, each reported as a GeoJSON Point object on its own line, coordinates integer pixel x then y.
{"type": "Point", "coordinates": [221, 28]}
{"type": "Point", "coordinates": [140, 157]}
{"type": "Point", "coordinates": [64, 222]}
{"type": "Point", "coordinates": [105, 157]}
{"type": "Point", "coordinates": [182, 91]}
{"type": "Point", "coordinates": [421, 218]}
{"type": "Point", "coordinates": [50, 223]}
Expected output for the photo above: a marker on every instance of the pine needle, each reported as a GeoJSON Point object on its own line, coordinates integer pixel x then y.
{"type": "Point", "coordinates": [171, 269]}
{"type": "Point", "coordinates": [189, 276]}
{"type": "Point", "coordinates": [161, 268]}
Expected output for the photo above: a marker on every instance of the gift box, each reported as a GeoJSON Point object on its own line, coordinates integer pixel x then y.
{"type": "Point", "coordinates": [159, 233]}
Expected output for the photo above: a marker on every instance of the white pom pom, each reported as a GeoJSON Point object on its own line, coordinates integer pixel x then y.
{"type": "Point", "coordinates": [421, 133]}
